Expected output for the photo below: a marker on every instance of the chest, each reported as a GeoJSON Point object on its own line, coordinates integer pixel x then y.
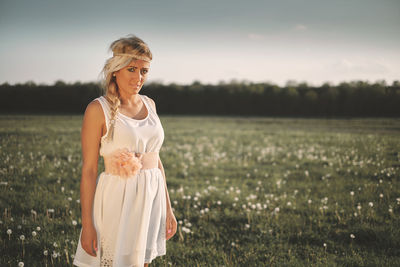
{"type": "Point", "coordinates": [140, 136]}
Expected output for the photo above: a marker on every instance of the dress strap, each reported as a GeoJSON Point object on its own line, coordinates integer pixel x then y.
{"type": "Point", "coordinates": [106, 110]}
{"type": "Point", "coordinates": [146, 100]}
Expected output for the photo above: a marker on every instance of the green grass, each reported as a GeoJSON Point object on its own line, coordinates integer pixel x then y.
{"type": "Point", "coordinates": [251, 191]}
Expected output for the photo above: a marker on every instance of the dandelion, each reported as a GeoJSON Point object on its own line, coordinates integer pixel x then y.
{"type": "Point", "coordinates": [233, 244]}
{"type": "Point", "coordinates": [54, 255]}
{"type": "Point", "coordinates": [325, 245]}
{"type": "Point", "coordinates": [351, 193]}
{"type": "Point", "coordinates": [74, 223]}
{"type": "Point", "coordinates": [38, 228]}
{"type": "Point", "coordinates": [309, 201]}
{"type": "Point", "coordinates": [20, 264]}
{"type": "Point", "coordinates": [33, 233]}
{"type": "Point", "coordinates": [371, 204]}
{"type": "Point", "coordinates": [247, 226]}
{"type": "Point", "coordinates": [352, 236]}
{"type": "Point", "coordinates": [381, 195]}
{"type": "Point", "coordinates": [219, 202]}
{"type": "Point", "coordinates": [185, 229]}
{"type": "Point", "coordinates": [55, 244]}
{"type": "Point", "coordinates": [9, 231]}
{"type": "Point", "coordinates": [22, 237]}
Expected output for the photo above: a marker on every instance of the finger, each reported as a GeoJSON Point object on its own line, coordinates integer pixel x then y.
{"type": "Point", "coordinates": [168, 233]}
{"type": "Point", "coordinates": [95, 244]}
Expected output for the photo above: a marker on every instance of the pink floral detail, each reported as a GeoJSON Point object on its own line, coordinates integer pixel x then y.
{"type": "Point", "coordinates": [124, 163]}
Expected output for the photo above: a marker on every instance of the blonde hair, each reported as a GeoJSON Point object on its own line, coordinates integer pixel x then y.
{"type": "Point", "coordinates": [132, 45]}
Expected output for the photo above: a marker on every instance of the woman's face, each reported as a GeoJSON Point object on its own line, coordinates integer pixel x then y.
{"type": "Point", "coordinates": [131, 78]}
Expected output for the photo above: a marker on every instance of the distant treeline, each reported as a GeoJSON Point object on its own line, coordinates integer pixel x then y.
{"type": "Point", "coordinates": [356, 98]}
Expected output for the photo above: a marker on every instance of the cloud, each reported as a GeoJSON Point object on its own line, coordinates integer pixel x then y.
{"type": "Point", "coordinates": [255, 36]}
{"type": "Point", "coordinates": [345, 65]}
{"type": "Point", "coordinates": [300, 27]}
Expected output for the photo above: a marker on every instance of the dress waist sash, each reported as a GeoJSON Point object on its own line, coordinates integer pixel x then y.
{"type": "Point", "coordinates": [127, 163]}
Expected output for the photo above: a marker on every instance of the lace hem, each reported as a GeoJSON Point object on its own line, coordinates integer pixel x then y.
{"type": "Point", "coordinates": [106, 253]}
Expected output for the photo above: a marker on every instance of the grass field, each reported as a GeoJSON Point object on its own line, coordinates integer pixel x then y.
{"type": "Point", "coordinates": [246, 191]}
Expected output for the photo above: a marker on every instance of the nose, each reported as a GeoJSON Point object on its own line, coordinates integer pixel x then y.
{"type": "Point", "coordinates": [137, 76]}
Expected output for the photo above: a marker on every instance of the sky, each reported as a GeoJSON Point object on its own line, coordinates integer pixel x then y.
{"type": "Point", "coordinates": [313, 41]}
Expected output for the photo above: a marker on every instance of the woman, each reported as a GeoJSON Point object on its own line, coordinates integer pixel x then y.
{"type": "Point", "coordinates": [126, 212]}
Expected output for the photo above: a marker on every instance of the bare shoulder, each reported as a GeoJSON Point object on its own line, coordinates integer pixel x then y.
{"type": "Point", "coordinates": [94, 112]}
{"type": "Point", "coordinates": [152, 103]}
{"type": "Point", "coordinates": [94, 108]}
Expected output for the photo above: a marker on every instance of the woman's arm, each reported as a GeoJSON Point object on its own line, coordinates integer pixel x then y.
{"type": "Point", "coordinates": [92, 126]}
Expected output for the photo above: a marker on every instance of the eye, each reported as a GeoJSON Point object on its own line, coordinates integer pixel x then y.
{"type": "Point", "coordinates": [144, 71]}
{"type": "Point", "coordinates": [131, 69]}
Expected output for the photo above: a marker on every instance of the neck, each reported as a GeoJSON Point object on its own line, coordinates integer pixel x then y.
{"type": "Point", "coordinates": [129, 100]}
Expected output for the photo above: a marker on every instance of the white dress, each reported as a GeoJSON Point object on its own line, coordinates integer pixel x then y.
{"type": "Point", "coordinates": [129, 214]}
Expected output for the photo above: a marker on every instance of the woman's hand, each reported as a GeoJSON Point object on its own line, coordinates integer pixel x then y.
{"type": "Point", "coordinates": [170, 225]}
{"type": "Point", "coordinates": [89, 240]}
